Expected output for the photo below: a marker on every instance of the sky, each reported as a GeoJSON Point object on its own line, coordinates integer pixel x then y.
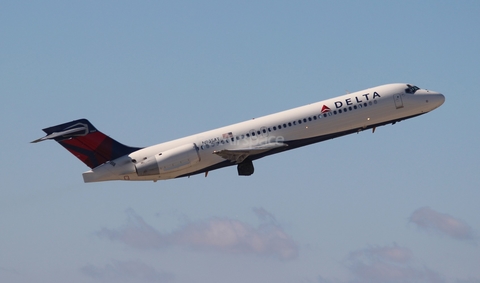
{"type": "Point", "coordinates": [399, 205]}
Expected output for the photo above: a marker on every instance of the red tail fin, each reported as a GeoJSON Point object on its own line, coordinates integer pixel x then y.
{"type": "Point", "coordinates": [88, 144]}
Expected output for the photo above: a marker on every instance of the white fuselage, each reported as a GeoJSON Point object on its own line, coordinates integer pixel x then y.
{"type": "Point", "coordinates": [295, 127]}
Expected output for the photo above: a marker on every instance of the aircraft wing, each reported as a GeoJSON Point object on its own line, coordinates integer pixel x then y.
{"type": "Point", "coordinates": [239, 154]}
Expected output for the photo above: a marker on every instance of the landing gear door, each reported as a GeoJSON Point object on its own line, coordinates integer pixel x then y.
{"type": "Point", "coordinates": [398, 101]}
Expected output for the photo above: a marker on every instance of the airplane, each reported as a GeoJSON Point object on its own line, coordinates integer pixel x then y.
{"type": "Point", "coordinates": [242, 143]}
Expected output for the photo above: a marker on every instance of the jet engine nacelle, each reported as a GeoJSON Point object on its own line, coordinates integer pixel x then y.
{"type": "Point", "coordinates": [169, 161]}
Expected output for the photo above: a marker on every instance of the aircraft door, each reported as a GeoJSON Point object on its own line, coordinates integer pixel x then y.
{"type": "Point", "coordinates": [398, 101]}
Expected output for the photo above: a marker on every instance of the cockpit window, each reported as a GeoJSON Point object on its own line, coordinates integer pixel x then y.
{"type": "Point", "coordinates": [411, 89]}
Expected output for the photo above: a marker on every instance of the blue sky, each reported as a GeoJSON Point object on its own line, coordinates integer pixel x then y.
{"type": "Point", "coordinates": [400, 205]}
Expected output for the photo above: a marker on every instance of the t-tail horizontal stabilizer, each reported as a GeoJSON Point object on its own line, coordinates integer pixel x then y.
{"type": "Point", "coordinates": [84, 141]}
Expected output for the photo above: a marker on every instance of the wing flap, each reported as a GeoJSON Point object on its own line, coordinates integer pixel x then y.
{"type": "Point", "coordinates": [240, 154]}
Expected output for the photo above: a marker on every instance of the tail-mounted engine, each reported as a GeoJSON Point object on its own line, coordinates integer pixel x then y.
{"type": "Point", "coordinates": [169, 161]}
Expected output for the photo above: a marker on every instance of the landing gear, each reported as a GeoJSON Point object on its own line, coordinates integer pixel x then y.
{"type": "Point", "coordinates": [245, 168]}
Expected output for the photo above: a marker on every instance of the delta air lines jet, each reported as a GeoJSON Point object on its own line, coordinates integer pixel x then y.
{"type": "Point", "coordinates": [240, 144]}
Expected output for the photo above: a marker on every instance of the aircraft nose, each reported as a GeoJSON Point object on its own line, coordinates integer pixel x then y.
{"type": "Point", "coordinates": [437, 99]}
{"type": "Point", "coordinates": [432, 98]}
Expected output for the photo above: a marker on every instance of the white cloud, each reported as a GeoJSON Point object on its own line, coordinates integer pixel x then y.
{"type": "Point", "coordinates": [321, 279]}
{"type": "Point", "coordinates": [214, 234]}
{"type": "Point", "coordinates": [388, 264]}
{"type": "Point", "coordinates": [430, 220]}
{"type": "Point", "coordinates": [264, 215]}
{"type": "Point", "coordinates": [394, 254]}
{"type": "Point", "coordinates": [470, 280]}
{"type": "Point", "coordinates": [126, 271]}
{"type": "Point", "coordinates": [136, 233]}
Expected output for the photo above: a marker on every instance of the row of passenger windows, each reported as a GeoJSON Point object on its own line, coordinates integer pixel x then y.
{"type": "Point", "coordinates": [354, 107]}
{"type": "Point", "coordinates": [264, 130]}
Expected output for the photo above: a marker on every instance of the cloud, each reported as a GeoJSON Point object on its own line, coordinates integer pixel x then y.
{"type": "Point", "coordinates": [321, 279]}
{"type": "Point", "coordinates": [388, 264]}
{"type": "Point", "coordinates": [394, 254]}
{"type": "Point", "coordinates": [126, 271]}
{"type": "Point", "coordinates": [136, 233]}
{"type": "Point", "coordinates": [214, 234]}
{"type": "Point", "coordinates": [430, 220]}
{"type": "Point", "coordinates": [264, 215]}
{"type": "Point", "coordinates": [470, 280]}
